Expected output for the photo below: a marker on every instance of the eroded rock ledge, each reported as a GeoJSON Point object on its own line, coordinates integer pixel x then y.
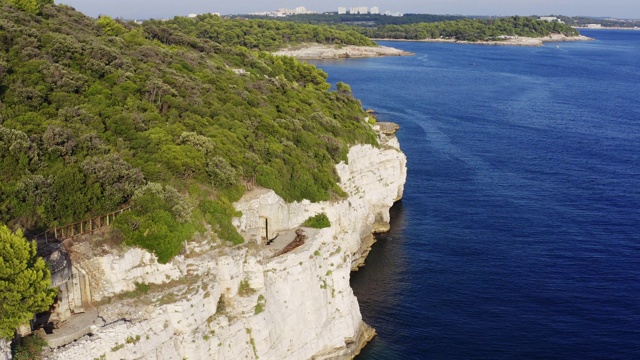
{"type": "Point", "coordinates": [321, 51]}
{"type": "Point", "coordinates": [221, 302]}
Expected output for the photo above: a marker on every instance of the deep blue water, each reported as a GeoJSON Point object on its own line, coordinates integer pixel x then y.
{"type": "Point", "coordinates": [519, 233]}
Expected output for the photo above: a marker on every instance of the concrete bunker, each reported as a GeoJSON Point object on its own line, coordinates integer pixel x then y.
{"type": "Point", "coordinates": [74, 294]}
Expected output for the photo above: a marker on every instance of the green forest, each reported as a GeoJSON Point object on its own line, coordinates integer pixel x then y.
{"type": "Point", "coordinates": [175, 119]}
{"type": "Point", "coordinates": [470, 29]}
{"type": "Point", "coordinates": [268, 35]}
{"type": "Point", "coordinates": [424, 26]}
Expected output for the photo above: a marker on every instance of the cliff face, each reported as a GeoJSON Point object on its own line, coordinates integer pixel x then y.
{"type": "Point", "coordinates": [5, 350]}
{"type": "Point", "coordinates": [217, 302]}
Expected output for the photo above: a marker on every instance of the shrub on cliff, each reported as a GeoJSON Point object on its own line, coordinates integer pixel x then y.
{"type": "Point", "coordinates": [318, 221]}
{"type": "Point", "coordinates": [160, 221]}
{"type": "Point", "coordinates": [29, 348]}
{"type": "Point", "coordinates": [344, 88]}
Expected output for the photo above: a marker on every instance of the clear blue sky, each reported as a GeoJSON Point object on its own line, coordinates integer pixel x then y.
{"type": "Point", "coordinates": [131, 9]}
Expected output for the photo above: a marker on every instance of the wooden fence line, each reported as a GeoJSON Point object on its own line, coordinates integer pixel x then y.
{"type": "Point", "coordinates": [70, 231]}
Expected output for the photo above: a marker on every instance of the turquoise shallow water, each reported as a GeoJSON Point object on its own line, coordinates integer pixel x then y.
{"type": "Point", "coordinates": [519, 233]}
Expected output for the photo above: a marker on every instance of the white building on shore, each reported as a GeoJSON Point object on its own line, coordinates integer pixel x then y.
{"type": "Point", "coordinates": [285, 12]}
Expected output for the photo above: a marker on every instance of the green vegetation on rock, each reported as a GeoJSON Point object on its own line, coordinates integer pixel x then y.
{"type": "Point", "coordinates": [24, 282]}
{"type": "Point", "coordinates": [29, 348]}
{"type": "Point", "coordinates": [173, 118]}
{"type": "Point", "coordinates": [318, 221]}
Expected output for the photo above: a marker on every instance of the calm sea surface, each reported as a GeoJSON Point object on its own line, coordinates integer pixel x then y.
{"type": "Point", "coordinates": [519, 233]}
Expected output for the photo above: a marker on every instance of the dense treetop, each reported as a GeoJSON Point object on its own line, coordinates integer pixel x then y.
{"type": "Point", "coordinates": [24, 281]}
{"type": "Point", "coordinates": [261, 34]}
{"type": "Point", "coordinates": [96, 114]}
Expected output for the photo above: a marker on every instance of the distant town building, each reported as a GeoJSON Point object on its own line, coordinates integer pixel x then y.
{"type": "Point", "coordinates": [342, 10]}
{"type": "Point", "coordinates": [593, 26]}
{"type": "Point", "coordinates": [359, 10]}
{"type": "Point", "coordinates": [285, 12]}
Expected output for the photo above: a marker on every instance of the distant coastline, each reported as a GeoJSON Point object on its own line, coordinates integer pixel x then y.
{"type": "Point", "coordinates": [513, 41]}
{"type": "Point", "coordinates": [607, 28]}
{"type": "Point", "coordinates": [323, 51]}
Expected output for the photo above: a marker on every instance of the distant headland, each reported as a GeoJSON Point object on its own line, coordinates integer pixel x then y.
{"type": "Point", "coordinates": [510, 40]}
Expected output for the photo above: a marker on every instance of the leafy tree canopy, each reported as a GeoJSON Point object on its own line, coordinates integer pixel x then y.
{"type": "Point", "coordinates": [24, 282]}
{"type": "Point", "coordinates": [31, 6]}
{"type": "Point", "coordinates": [264, 34]}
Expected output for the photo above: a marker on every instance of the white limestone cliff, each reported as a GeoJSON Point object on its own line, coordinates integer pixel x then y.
{"type": "Point", "coordinates": [5, 350]}
{"type": "Point", "coordinates": [243, 302]}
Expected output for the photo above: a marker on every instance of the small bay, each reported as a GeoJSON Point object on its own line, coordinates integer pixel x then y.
{"type": "Point", "coordinates": [519, 232]}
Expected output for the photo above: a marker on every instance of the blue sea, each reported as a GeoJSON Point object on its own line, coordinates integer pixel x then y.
{"type": "Point", "coordinates": [519, 233]}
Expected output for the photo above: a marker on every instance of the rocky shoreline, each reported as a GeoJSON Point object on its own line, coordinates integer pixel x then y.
{"type": "Point", "coordinates": [322, 51]}
{"type": "Point", "coordinates": [512, 41]}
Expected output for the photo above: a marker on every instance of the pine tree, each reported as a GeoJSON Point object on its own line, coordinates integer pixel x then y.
{"type": "Point", "coordinates": [24, 282]}
{"type": "Point", "coordinates": [31, 6]}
